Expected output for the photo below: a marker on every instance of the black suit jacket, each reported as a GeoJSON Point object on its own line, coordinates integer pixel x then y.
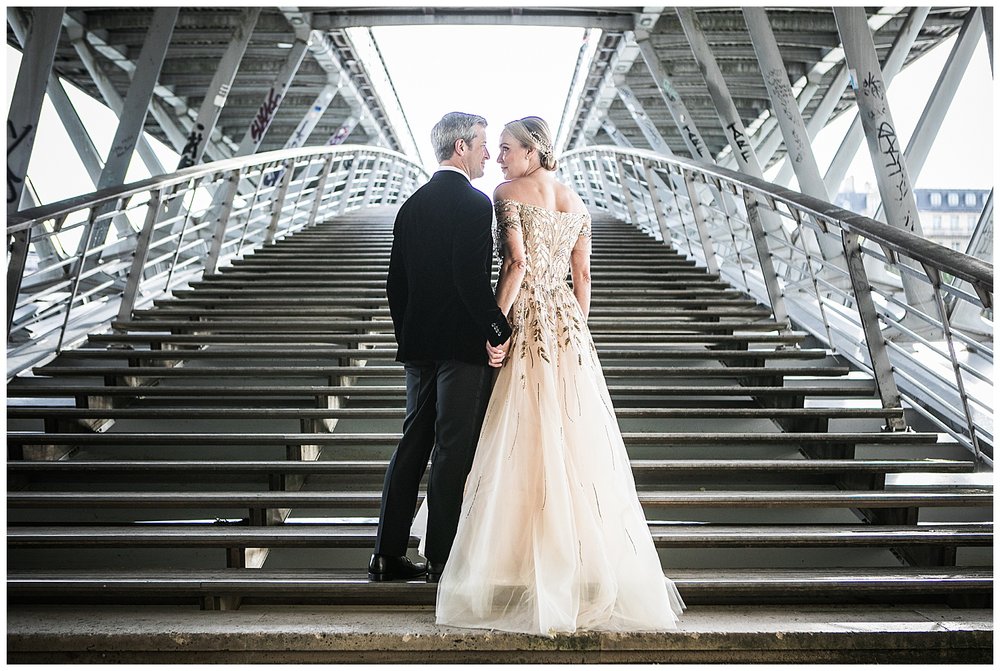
{"type": "Point", "coordinates": [440, 297]}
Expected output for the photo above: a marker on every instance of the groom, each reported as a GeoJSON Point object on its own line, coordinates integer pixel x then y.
{"type": "Point", "coordinates": [448, 331]}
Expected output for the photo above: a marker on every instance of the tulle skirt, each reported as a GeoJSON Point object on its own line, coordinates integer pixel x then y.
{"type": "Point", "coordinates": [552, 537]}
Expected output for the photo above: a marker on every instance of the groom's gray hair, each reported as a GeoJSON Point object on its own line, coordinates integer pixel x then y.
{"type": "Point", "coordinates": [452, 127]}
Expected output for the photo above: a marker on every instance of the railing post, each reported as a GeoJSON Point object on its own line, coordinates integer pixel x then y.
{"type": "Point", "coordinates": [345, 195]}
{"type": "Point", "coordinates": [626, 192]}
{"type": "Point", "coordinates": [140, 256]}
{"type": "Point", "coordinates": [320, 188]}
{"type": "Point", "coordinates": [935, 278]}
{"type": "Point", "coordinates": [18, 251]}
{"type": "Point", "coordinates": [765, 259]}
{"type": "Point", "coordinates": [879, 356]}
{"type": "Point", "coordinates": [654, 195]}
{"type": "Point", "coordinates": [699, 222]}
{"type": "Point", "coordinates": [228, 193]}
{"type": "Point", "coordinates": [95, 212]}
{"type": "Point", "coordinates": [277, 204]}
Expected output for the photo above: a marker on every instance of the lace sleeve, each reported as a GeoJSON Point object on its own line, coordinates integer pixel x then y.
{"type": "Point", "coordinates": [585, 230]}
{"type": "Point", "coordinates": [508, 221]}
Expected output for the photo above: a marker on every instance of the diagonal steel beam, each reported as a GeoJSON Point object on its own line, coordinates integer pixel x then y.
{"type": "Point", "coordinates": [29, 94]}
{"type": "Point", "coordinates": [891, 172]}
{"type": "Point", "coordinates": [218, 89]}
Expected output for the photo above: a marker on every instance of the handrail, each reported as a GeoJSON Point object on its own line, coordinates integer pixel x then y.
{"type": "Point", "coordinates": [133, 243]}
{"type": "Point", "coordinates": [856, 304]}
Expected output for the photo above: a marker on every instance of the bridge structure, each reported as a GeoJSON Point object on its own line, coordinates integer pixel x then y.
{"type": "Point", "coordinates": [201, 387]}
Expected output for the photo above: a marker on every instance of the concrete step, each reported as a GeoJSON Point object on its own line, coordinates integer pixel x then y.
{"type": "Point", "coordinates": [392, 634]}
{"type": "Point", "coordinates": [361, 534]}
{"type": "Point", "coordinates": [910, 497]}
{"type": "Point", "coordinates": [758, 585]}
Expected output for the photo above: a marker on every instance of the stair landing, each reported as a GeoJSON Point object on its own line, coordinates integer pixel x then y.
{"type": "Point", "coordinates": [407, 634]}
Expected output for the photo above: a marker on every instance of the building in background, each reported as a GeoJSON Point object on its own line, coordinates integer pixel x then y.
{"type": "Point", "coordinates": [947, 216]}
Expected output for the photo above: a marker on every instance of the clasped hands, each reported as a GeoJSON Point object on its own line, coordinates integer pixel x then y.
{"type": "Point", "coordinates": [497, 354]}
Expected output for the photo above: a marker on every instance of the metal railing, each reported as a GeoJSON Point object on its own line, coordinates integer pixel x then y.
{"type": "Point", "coordinates": [915, 315]}
{"type": "Point", "coordinates": [75, 266]}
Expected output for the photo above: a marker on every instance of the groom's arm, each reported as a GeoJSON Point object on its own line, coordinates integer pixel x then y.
{"type": "Point", "coordinates": [472, 249]}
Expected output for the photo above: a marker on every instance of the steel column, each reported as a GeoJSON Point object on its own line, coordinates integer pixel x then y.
{"type": "Point", "coordinates": [943, 94]}
{"type": "Point", "coordinates": [789, 119]}
{"type": "Point", "coordinates": [111, 98]}
{"type": "Point", "coordinates": [140, 93]}
{"type": "Point", "coordinates": [609, 127]}
{"type": "Point", "coordinates": [883, 144]}
{"type": "Point", "coordinates": [987, 14]}
{"type": "Point", "coordinates": [218, 89]}
{"type": "Point", "coordinates": [834, 92]}
{"type": "Point", "coordinates": [626, 193]}
{"type": "Point", "coordinates": [254, 135]}
{"type": "Point", "coordinates": [907, 35]}
{"type": "Point", "coordinates": [29, 93]}
{"type": "Point", "coordinates": [678, 110]}
{"type": "Point", "coordinates": [646, 125]}
{"type": "Point", "coordinates": [17, 259]}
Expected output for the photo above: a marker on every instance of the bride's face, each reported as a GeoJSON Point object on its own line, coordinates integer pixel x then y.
{"type": "Point", "coordinates": [513, 158]}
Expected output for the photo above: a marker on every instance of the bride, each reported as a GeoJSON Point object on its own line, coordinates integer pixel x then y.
{"type": "Point", "coordinates": [551, 537]}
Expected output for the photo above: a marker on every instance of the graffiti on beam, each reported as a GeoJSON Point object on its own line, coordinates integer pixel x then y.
{"type": "Point", "coordinates": [872, 87]}
{"type": "Point", "coordinates": [694, 140]}
{"type": "Point", "coordinates": [14, 140]}
{"type": "Point", "coordinates": [740, 141]}
{"type": "Point", "coordinates": [189, 155]}
{"type": "Point", "coordinates": [784, 98]}
{"type": "Point", "coordinates": [265, 113]}
{"type": "Point", "coordinates": [888, 146]}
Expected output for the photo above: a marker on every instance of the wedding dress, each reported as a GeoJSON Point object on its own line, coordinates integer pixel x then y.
{"type": "Point", "coordinates": [552, 537]}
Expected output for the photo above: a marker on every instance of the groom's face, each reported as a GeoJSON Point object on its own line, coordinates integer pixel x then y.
{"type": "Point", "coordinates": [476, 154]}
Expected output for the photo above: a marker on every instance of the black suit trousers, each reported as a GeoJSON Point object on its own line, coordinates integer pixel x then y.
{"type": "Point", "coordinates": [445, 406]}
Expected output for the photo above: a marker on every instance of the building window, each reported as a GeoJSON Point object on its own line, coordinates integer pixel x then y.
{"type": "Point", "coordinates": [970, 199]}
{"type": "Point", "coordinates": [936, 199]}
{"type": "Point", "coordinates": [936, 222]}
{"type": "Point", "coordinates": [955, 223]}
{"type": "Point", "coordinates": [953, 199]}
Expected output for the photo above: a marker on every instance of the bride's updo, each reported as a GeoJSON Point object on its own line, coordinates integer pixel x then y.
{"type": "Point", "coordinates": [532, 132]}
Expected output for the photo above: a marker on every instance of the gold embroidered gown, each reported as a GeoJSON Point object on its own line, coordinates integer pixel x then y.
{"type": "Point", "coordinates": [552, 537]}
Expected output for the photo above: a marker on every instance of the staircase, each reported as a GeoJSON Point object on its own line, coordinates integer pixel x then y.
{"type": "Point", "coordinates": [226, 448]}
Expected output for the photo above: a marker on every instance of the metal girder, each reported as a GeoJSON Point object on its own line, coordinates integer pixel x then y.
{"type": "Point", "coordinates": [607, 91]}
{"type": "Point", "coordinates": [29, 93]}
{"type": "Point", "coordinates": [883, 143]}
{"type": "Point", "coordinates": [616, 135]}
{"type": "Point", "coordinates": [987, 14]}
{"type": "Point", "coordinates": [218, 89]}
{"type": "Point", "coordinates": [605, 19]}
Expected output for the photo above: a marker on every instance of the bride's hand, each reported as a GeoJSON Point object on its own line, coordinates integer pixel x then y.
{"type": "Point", "coordinates": [497, 354]}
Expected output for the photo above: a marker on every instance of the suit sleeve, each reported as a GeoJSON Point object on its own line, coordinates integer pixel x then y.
{"type": "Point", "coordinates": [472, 250]}
{"type": "Point", "coordinates": [396, 287]}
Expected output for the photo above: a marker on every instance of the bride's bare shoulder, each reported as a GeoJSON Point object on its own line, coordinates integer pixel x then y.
{"type": "Point", "coordinates": [569, 200]}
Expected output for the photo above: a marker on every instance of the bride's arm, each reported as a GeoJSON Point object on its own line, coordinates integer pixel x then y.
{"type": "Point", "coordinates": [512, 269]}
{"type": "Point", "coordinates": [579, 261]}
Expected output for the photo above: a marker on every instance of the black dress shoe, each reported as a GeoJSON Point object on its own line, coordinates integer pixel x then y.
{"type": "Point", "coordinates": [385, 567]}
{"type": "Point", "coordinates": [434, 571]}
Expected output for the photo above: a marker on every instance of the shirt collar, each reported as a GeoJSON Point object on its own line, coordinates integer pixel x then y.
{"type": "Point", "coordinates": [453, 169]}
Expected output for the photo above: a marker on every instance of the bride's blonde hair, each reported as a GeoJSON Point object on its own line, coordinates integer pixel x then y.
{"type": "Point", "coordinates": [533, 133]}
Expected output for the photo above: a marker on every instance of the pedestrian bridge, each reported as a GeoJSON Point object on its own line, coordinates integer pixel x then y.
{"type": "Point", "coordinates": [201, 392]}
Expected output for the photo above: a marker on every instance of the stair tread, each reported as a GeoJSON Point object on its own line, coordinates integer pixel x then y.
{"type": "Point", "coordinates": [378, 466]}
{"type": "Point", "coordinates": [306, 438]}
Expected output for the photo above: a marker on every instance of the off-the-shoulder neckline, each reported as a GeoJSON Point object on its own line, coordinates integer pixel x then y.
{"type": "Point", "coordinates": [539, 207]}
